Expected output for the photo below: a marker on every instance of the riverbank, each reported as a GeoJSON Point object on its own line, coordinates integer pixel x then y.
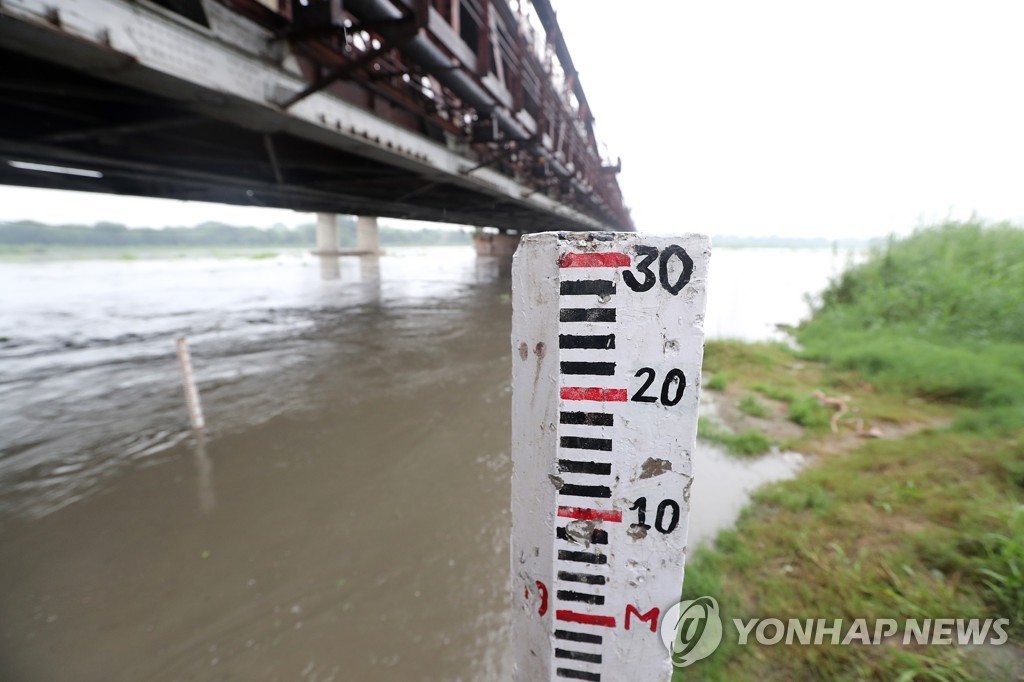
{"type": "Point", "coordinates": [911, 509]}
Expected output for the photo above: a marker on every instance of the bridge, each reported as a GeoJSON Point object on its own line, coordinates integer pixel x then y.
{"type": "Point", "coordinates": [464, 111]}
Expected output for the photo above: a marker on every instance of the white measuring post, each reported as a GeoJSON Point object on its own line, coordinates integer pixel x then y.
{"type": "Point", "coordinates": [195, 408]}
{"type": "Point", "coordinates": [607, 341]}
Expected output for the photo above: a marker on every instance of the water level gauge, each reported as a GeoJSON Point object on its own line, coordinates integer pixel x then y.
{"type": "Point", "coordinates": [607, 337]}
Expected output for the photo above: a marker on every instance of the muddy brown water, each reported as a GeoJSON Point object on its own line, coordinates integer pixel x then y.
{"type": "Point", "coordinates": [345, 518]}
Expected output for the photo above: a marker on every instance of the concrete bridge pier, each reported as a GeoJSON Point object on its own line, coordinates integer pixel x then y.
{"type": "Point", "coordinates": [500, 245]}
{"type": "Point", "coordinates": [367, 236]}
{"type": "Point", "coordinates": [327, 235]}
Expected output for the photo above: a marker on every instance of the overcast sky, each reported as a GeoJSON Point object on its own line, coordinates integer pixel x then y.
{"type": "Point", "coordinates": [806, 118]}
{"type": "Point", "coordinates": [762, 118]}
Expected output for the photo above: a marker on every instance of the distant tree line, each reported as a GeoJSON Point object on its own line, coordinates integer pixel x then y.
{"type": "Point", "coordinates": [794, 242]}
{"type": "Point", "coordinates": [31, 233]}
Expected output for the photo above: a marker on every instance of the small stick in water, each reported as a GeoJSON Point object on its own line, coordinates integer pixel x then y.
{"type": "Point", "coordinates": [195, 409]}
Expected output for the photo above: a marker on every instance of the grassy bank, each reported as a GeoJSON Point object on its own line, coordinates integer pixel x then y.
{"type": "Point", "coordinates": [910, 391]}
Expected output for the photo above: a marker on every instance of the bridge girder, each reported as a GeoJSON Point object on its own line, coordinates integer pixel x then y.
{"type": "Point", "coordinates": [149, 102]}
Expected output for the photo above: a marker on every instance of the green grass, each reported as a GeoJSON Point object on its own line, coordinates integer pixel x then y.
{"type": "Point", "coordinates": [992, 421]}
{"type": "Point", "coordinates": [775, 392]}
{"type": "Point", "coordinates": [809, 413]}
{"type": "Point", "coordinates": [939, 314]}
{"type": "Point", "coordinates": [751, 406]}
{"type": "Point", "coordinates": [749, 442]}
{"type": "Point", "coordinates": [1003, 570]}
{"type": "Point", "coordinates": [957, 281]}
{"type": "Point", "coordinates": [923, 527]}
{"type": "Point", "coordinates": [717, 382]}
{"type": "Point", "coordinates": [794, 499]}
{"type": "Point", "coordinates": [934, 369]}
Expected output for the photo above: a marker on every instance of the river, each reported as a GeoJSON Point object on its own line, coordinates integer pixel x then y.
{"type": "Point", "coordinates": [346, 516]}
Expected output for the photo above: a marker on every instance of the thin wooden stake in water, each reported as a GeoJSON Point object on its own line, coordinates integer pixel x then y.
{"type": "Point", "coordinates": [195, 408]}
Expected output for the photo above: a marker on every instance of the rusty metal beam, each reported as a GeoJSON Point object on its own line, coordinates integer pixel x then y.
{"type": "Point", "coordinates": [332, 76]}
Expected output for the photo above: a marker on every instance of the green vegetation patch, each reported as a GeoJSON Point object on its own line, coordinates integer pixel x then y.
{"type": "Point", "coordinates": [924, 527]}
{"type": "Point", "coordinates": [939, 314]}
{"type": "Point", "coordinates": [809, 413]}
{"type": "Point", "coordinates": [752, 407]}
{"type": "Point", "coordinates": [749, 442]}
{"type": "Point", "coordinates": [717, 382]}
{"type": "Point", "coordinates": [775, 392]}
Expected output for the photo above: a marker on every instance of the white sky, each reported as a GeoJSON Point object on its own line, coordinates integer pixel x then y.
{"type": "Point", "coordinates": [806, 118]}
{"type": "Point", "coordinates": [760, 118]}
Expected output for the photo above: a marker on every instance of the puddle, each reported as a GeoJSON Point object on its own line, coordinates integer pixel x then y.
{"type": "Point", "coordinates": [723, 484]}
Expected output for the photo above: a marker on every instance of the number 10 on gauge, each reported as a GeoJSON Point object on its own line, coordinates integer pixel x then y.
{"type": "Point", "coordinates": [607, 340]}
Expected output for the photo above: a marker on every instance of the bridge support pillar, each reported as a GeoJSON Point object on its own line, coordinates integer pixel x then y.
{"type": "Point", "coordinates": [502, 244]}
{"type": "Point", "coordinates": [367, 235]}
{"type": "Point", "coordinates": [327, 234]}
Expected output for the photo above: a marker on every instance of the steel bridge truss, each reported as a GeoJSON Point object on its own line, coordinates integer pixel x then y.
{"type": "Point", "coordinates": [464, 111]}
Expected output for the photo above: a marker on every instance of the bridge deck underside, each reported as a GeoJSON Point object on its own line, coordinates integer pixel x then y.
{"type": "Point", "coordinates": [146, 145]}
